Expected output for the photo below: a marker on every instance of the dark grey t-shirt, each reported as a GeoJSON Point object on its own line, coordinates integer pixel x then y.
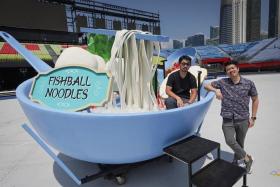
{"type": "Point", "coordinates": [236, 97]}
{"type": "Point", "coordinates": [181, 86]}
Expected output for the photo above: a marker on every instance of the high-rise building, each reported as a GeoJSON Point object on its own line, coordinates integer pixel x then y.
{"type": "Point", "coordinates": [187, 43]}
{"type": "Point", "coordinates": [253, 28]}
{"type": "Point", "coordinates": [240, 21]}
{"type": "Point", "coordinates": [196, 40]}
{"type": "Point", "coordinates": [264, 35]}
{"type": "Point", "coordinates": [226, 22]}
{"type": "Point", "coordinates": [177, 44]}
{"type": "Point", "coordinates": [274, 19]}
{"type": "Point", "coordinates": [167, 45]}
{"type": "Point", "coordinates": [212, 41]}
{"type": "Point", "coordinates": [239, 8]}
{"type": "Point", "coordinates": [214, 32]}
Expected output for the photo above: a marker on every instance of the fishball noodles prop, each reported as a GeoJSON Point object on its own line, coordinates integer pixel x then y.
{"type": "Point", "coordinates": [107, 138]}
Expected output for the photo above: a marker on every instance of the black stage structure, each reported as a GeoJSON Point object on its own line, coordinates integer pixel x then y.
{"type": "Point", "coordinates": [59, 22]}
{"type": "Point", "coordinates": [94, 14]}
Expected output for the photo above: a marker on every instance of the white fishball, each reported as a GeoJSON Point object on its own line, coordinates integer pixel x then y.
{"type": "Point", "coordinates": [80, 57]}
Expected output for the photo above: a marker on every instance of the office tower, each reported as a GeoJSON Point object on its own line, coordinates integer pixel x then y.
{"type": "Point", "coordinates": [177, 44]}
{"type": "Point", "coordinates": [239, 8]}
{"type": "Point", "coordinates": [214, 36]}
{"type": "Point", "coordinates": [187, 43]}
{"type": "Point", "coordinates": [274, 19]}
{"type": "Point", "coordinates": [264, 35]}
{"type": "Point", "coordinates": [253, 28]}
{"type": "Point", "coordinates": [214, 32]}
{"type": "Point", "coordinates": [196, 40]}
{"type": "Point", "coordinates": [226, 22]}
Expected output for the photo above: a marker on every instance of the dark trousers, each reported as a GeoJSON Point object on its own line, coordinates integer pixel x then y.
{"type": "Point", "coordinates": [235, 133]}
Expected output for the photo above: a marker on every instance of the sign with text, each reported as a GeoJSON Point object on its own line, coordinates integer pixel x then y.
{"type": "Point", "coordinates": [71, 88]}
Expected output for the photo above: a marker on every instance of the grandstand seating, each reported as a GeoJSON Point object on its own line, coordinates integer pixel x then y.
{"type": "Point", "coordinates": [270, 53]}
{"type": "Point", "coordinates": [57, 49]}
{"type": "Point", "coordinates": [8, 54]}
{"type": "Point", "coordinates": [166, 52]}
{"type": "Point", "coordinates": [7, 49]}
{"type": "Point", "coordinates": [210, 52]}
{"type": "Point", "coordinates": [251, 55]}
{"type": "Point", "coordinates": [267, 50]}
{"type": "Point", "coordinates": [43, 53]}
{"type": "Point", "coordinates": [235, 50]}
{"type": "Point", "coordinates": [261, 45]}
{"type": "Point", "coordinates": [32, 47]}
{"type": "Point", "coordinates": [1, 44]}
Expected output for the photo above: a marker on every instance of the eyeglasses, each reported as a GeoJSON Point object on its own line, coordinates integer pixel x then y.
{"type": "Point", "coordinates": [185, 64]}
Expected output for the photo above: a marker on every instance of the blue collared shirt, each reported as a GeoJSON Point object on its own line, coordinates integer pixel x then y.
{"type": "Point", "coordinates": [236, 97]}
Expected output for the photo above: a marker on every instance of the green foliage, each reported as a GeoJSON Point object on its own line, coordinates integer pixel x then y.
{"type": "Point", "coordinates": [101, 45]}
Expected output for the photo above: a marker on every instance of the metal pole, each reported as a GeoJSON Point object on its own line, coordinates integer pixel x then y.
{"type": "Point", "coordinates": [51, 153]}
{"type": "Point", "coordinates": [244, 181]}
{"type": "Point", "coordinates": [163, 65]}
{"type": "Point", "coordinates": [156, 82]}
{"type": "Point", "coordinates": [199, 85]}
{"type": "Point", "coordinates": [190, 174]}
{"type": "Point", "coordinates": [219, 152]}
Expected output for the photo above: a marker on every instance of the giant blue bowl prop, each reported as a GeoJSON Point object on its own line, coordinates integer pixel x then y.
{"type": "Point", "coordinates": [108, 138]}
{"type": "Point", "coordinates": [112, 138]}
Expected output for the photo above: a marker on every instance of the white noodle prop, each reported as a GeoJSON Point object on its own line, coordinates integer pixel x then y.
{"type": "Point", "coordinates": [132, 69]}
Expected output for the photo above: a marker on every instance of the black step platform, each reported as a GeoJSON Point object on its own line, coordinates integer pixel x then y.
{"type": "Point", "coordinates": [191, 149]}
{"type": "Point", "coordinates": [218, 173]}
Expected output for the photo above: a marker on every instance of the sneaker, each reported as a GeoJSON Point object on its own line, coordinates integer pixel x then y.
{"type": "Point", "coordinates": [249, 164]}
{"type": "Point", "coordinates": [239, 163]}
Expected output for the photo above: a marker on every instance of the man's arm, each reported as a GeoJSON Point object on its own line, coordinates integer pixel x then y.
{"type": "Point", "coordinates": [218, 93]}
{"type": "Point", "coordinates": [193, 95]}
{"type": "Point", "coordinates": [255, 105]}
{"type": "Point", "coordinates": [169, 92]}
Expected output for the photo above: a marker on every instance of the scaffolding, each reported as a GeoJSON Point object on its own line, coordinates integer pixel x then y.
{"type": "Point", "coordinates": [93, 14]}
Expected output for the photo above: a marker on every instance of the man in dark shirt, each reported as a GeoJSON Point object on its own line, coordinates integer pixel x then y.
{"type": "Point", "coordinates": [235, 93]}
{"type": "Point", "coordinates": [180, 84]}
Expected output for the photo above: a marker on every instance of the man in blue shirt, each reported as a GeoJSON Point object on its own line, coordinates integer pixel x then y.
{"type": "Point", "coordinates": [235, 93]}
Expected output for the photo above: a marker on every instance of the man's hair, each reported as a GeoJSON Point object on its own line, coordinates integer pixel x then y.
{"type": "Point", "coordinates": [232, 62]}
{"type": "Point", "coordinates": [185, 57]}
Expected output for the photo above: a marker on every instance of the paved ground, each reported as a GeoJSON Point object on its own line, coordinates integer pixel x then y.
{"type": "Point", "coordinates": [23, 163]}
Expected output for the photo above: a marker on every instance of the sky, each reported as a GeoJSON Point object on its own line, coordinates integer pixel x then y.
{"type": "Point", "coordinates": [183, 18]}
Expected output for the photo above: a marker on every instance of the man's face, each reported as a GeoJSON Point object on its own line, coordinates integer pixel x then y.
{"type": "Point", "coordinates": [185, 65]}
{"type": "Point", "coordinates": [232, 70]}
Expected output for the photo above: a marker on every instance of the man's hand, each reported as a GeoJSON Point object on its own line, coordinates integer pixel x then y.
{"type": "Point", "coordinates": [218, 94]}
{"type": "Point", "coordinates": [180, 102]}
{"type": "Point", "coordinates": [251, 123]}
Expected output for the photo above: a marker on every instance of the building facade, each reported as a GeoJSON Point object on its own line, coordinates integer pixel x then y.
{"type": "Point", "coordinates": [226, 22]}
{"type": "Point", "coordinates": [274, 19]}
{"type": "Point", "coordinates": [177, 44]}
{"type": "Point", "coordinates": [253, 20]}
{"type": "Point", "coordinates": [196, 40]}
{"type": "Point", "coordinates": [239, 10]}
{"type": "Point", "coordinates": [240, 21]}
{"type": "Point", "coordinates": [214, 32]}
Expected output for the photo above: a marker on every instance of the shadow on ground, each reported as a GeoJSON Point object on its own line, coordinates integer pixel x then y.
{"type": "Point", "coordinates": [149, 174]}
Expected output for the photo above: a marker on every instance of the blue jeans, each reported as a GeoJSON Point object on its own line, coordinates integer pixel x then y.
{"type": "Point", "coordinates": [170, 102]}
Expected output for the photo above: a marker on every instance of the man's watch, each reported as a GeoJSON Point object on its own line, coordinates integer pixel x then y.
{"type": "Point", "coordinates": [253, 118]}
